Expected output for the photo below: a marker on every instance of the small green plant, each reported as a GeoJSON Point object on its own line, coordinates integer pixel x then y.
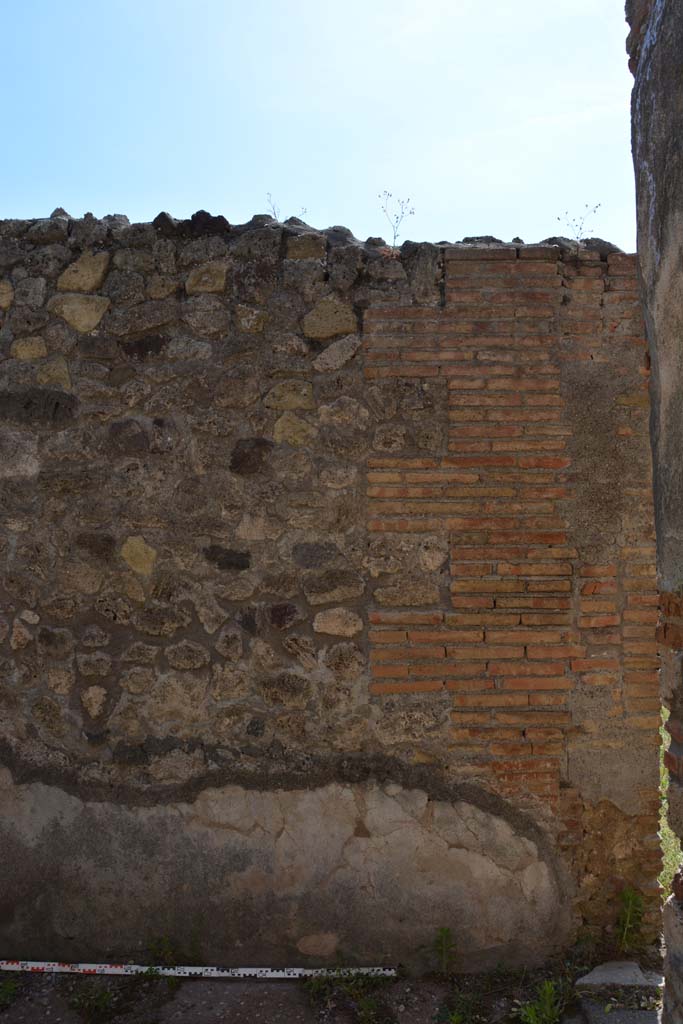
{"type": "Point", "coordinates": [9, 990]}
{"type": "Point", "coordinates": [163, 953]}
{"type": "Point", "coordinates": [455, 1017]}
{"type": "Point", "coordinates": [444, 949]}
{"type": "Point", "coordinates": [395, 211]}
{"type": "Point", "coordinates": [546, 1008]}
{"type": "Point", "coordinates": [360, 991]}
{"type": "Point", "coordinates": [630, 920]}
{"type": "Point", "coordinates": [93, 1002]}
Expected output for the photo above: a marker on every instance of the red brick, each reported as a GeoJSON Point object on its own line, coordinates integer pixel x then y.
{"type": "Point", "coordinates": [388, 636]}
{"type": "Point", "coordinates": [464, 636]}
{"type": "Point", "coordinates": [406, 618]}
{"type": "Point", "coordinates": [483, 618]}
{"type": "Point", "coordinates": [527, 636]}
{"type": "Point", "coordinates": [545, 619]}
{"type": "Point", "coordinates": [598, 621]}
{"type": "Point", "coordinates": [472, 602]}
{"type": "Point", "coordinates": [526, 668]}
{"type": "Point", "coordinates": [485, 652]}
{"type": "Point", "coordinates": [544, 462]}
{"type": "Point", "coordinates": [418, 653]}
{"type": "Point", "coordinates": [389, 671]}
{"type": "Point", "coordinates": [594, 587]}
{"type": "Point", "coordinates": [492, 700]}
{"type": "Point", "coordinates": [535, 569]}
{"type": "Point", "coordinates": [487, 586]}
{"type": "Point", "coordinates": [537, 683]}
{"type": "Point", "coordinates": [594, 664]}
{"type": "Point", "coordinates": [559, 651]}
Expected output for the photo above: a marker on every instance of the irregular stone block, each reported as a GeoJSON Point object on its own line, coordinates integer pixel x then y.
{"type": "Point", "coordinates": [333, 585]}
{"type": "Point", "coordinates": [139, 555]}
{"type": "Point", "coordinates": [227, 559]}
{"type": "Point", "coordinates": [187, 655]}
{"type": "Point", "coordinates": [54, 373]}
{"type": "Point", "coordinates": [407, 594]}
{"type": "Point", "coordinates": [208, 278]}
{"type": "Point", "coordinates": [86, 274]}
{"type": "Point", "coordinates": [622, 974]}
{"type": "Point", "coordinates": [249, 320]}
{"type": "Point", "coordinates": [249, 456]}
{"type": "Point", "coordinates": [329, 318]}
{"type": "Point", "coordinates": [30, 292]}
{"type": "Point", "coordinates": [18, 454]}
{"type": "Point", "coordinates": [311, 555]}
{"type": "Point", "coordinates": [93, 700]}
{"type": "Point", "coordinates": [338, 354]}
{"type": "Point", "coordinates": [291, 429]}
{"type": "Point", "coordinates": [306, 247]}
{"type": "Point", "coordinates": [290, 394]}
{"type": "Point", "coordinates": [287, 688]}
{"type": "Point", "coordinates": [28, 349]}
{"type": "Point", "coordinates": [38, 405]}
{"type": "Point", "coordinates": [338, 622]}
{"type": "Point", "coordinates": [82, 312]}
{"type": "Point", "coordinates": [6, 294]}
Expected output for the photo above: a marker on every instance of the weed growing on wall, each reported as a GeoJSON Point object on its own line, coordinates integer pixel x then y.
{"type": "Point", "coordinates": [444, 949]}
{"type": "Point", "coordinates": [395, 210]}
{"type": "Point", "coordinates": [577, 227]}
{"type": "Point", "coordinates": [630, 920]}
{"type": "Point", "coordinates": [273, 207]}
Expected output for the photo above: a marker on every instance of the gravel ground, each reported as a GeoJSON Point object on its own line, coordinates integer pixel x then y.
{"type": "Point", "coordinates": [49, 1000]}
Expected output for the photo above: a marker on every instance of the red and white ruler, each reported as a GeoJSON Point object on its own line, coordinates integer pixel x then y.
{"type": "Point", "coordinates": [282, 973]}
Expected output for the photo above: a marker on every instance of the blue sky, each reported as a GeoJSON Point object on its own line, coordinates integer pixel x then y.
{"type": "Point", "coordinates": [494, 117]}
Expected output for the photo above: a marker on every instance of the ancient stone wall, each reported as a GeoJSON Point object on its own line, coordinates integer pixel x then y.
{"type": "Point", "coordinates": [328, 593]}
{"type": "Point", "coordinates": [655, 45]}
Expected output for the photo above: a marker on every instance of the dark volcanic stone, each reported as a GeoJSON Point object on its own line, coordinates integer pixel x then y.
{"type": "Point", "coordinates": [249, 455]}
{"type": "Point", "coordinates": [128, 437]}
{"type": "Point", "coordinates": [248, 620]}
{"type": "Point", "coordinates": [142, 348]}
{"type": "Point", "coordinates": [38, 405]}
{"type": "Point", "coordinates": [310, 555]}
{"type": "Point", "coordinates": [227, 559]}
{"type": "Point", "coordinates": [99, 545]}
{"type": "Point", "coordinates": [282, 616]}
{"type": "Point", "coordinates": [204, 223]}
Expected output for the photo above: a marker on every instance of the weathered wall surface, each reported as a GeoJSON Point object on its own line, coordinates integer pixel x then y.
{"type": "Point", "coordinates": [655, 45]}
{"type": "Point", "coordinates": [329, 598]}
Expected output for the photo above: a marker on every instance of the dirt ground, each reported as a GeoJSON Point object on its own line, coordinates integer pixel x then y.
{"type": "Point", "coordinates": [493, 998]}
{"type": "Point", "coordinates": [56, 1000]}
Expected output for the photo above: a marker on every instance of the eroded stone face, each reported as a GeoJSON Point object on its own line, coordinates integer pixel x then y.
{"type": "Point", "coordinates": [296, 876]}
